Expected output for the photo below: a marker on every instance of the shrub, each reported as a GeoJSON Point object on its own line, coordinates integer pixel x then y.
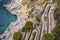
{"type": "Point", "coordinates": [57, 15]}
{"type": "Point", "coordinates": [56, 30]}
{"type": "Point", "coordinates": [45, 18]}
{"type": "Point", "coordinates": [17, 36]}
{"type": "Point", "coordinates": [56, 1]}
{"type": "Point", "coordinates": [38, 18]}
{"type": "Point", "coordinates": [48, 37]}
{"type": "Point", "coordinates": [28, 26]}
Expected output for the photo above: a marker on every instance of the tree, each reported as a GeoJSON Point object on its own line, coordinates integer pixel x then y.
{"type": "Point", "coordinates": [48, 37]}
{"type": "Point", "coordinates": [17, 36]}
{"type": "Point", "coordinates": [37, 18]}
{"type": "Point", "coordinates": [28, 26]}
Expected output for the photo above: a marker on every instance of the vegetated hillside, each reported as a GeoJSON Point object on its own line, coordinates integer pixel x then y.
{"type": "Point", "coordinates": [56, 30]}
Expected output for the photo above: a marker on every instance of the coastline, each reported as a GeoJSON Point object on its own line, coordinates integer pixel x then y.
{"type": "Point", "coordinates": [19, 11]}
{"type": "Point", "coordinates": [16, 25]}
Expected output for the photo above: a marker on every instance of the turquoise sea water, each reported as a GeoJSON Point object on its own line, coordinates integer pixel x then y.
{"type": "Point", "coordinates": [5, 16]}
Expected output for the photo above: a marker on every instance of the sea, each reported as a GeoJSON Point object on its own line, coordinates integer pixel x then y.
{"type": "Point", "coordinates": [5, 16]}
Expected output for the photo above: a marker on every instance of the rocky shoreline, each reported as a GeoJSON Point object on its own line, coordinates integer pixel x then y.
{"type": "Point", "coordinates": [18, 24]}
{"type": "Point", "coordinates": [16, 8]}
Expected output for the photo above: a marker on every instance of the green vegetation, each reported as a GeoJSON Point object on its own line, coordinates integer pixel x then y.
{"type": "Point", "coordinates": [28, 26]}
{"type": "Point", "coordinates": [56, 30]}
{"type": "Point", "coordinates": [57, 10]}
{"type": "Point", "coordinates": [48, 37]}
{"type": "Point", "coordinates": [30, 12]}
{"type": "Point", "coordinates": [38, 18]}
{"type": "Point", "coordinates": [45, 1]}
{"type": "Point", "coordinates": [45, 18]}
{"type": "Point", "coordinates": [34, 33]}
{"type": "Point", "coordinates": [56, 1]}
{"type": "Point", "coordinates": [57, 15]}
{"type": "Point", "coordinates": [17, 36]}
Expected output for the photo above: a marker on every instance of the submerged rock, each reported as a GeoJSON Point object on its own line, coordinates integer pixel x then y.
{"type": "Point", "coordinates": [1, 24]}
